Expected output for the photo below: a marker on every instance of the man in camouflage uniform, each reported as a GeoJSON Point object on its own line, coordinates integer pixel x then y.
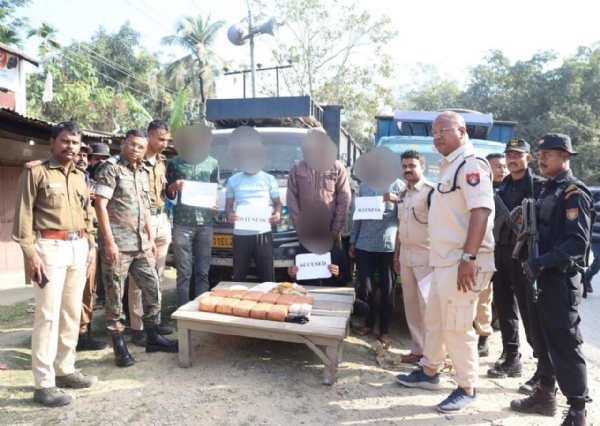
{"type": "Point", "coordinates": [53, 226]}
{"type": "Point", "coordinates": [123, 211]}
{"type": "Point", "coordinates": [192, 233]}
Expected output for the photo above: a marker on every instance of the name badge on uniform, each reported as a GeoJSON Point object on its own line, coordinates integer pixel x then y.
{"type": "Point", "coordinates": [55, 185]}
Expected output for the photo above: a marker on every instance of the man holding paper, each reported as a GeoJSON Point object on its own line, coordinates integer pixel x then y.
{"type": "Point", "coordinates": [253, 205]}
{"type": "Point", "coordinates": [372, 245]}
{"type": "Point", "coordinates": [195, 182]}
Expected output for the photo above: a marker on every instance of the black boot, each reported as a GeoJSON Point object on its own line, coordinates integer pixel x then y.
{"type": "Point", "coordinates": [122, 356]}
{"type": "Point", "coordinates": [483, 347]}
{"type": "Point", "coordinates": [530, 385]}
{"type": "Point", "coordinates": [574, 417]}
{"type": "Point", "coordinates": [501, 360]}
{"type": "Point", "coordinates": [86, 343]}
{"type": "Point", "coordinates": [157, 343]}
{"type": "Point", "coordinates": [165, 330]}
{"type": "Point", "coordinates": [542, 401]}
{"type": "Point", "coordinates": [511, 367]}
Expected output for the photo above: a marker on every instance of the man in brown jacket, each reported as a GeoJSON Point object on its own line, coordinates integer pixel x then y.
{"type": "Point", "coordinates": [307, 186]}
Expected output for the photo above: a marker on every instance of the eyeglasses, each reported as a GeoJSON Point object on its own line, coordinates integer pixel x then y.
{"type": "Point", "coordinates": [441, 132]}
{"type": "Point", "coordinates": [135, 146]}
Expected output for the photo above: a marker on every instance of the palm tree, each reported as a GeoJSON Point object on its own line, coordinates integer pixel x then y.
{"type": "Point", "coordinates": [10, 37]}
{"type": "Point", "coordinates": [49, 44]}
{"type": "Point", "coordinates": [197, 36]}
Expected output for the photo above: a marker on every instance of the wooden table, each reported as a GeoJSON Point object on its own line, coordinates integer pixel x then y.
{"type": "Point", "coordinates": [324, 333]}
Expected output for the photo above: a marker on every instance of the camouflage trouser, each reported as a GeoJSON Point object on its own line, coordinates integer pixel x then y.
{"type": "Point", "coordinates": [142, 267]}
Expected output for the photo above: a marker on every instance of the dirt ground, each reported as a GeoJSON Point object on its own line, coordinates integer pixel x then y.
{"type": "Point", "coordinates": [244, 381]}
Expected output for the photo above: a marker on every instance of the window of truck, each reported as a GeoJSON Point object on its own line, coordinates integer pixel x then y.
{"type": "Point", "coordinates": [283, 148]}
{"type": "Point", "coordinates": [432, 156]}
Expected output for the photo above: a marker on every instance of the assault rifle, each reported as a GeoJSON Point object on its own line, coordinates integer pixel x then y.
{"type": "Point", "coordinates": [530, 235]}
{"type": "Point", "coordinates": [505, 213]}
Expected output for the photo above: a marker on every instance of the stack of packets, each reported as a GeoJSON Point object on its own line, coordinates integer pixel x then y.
{"type": "Point", "coordinates": [273, 302]}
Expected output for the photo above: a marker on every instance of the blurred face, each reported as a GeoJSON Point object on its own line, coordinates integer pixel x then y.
{"type": "Point", "coordinates": [134, 148]}
{"type": "Point", "coordinates": [499, 169]}
{"type": "Point", "coordinates": [517, 161]}
{"type": "Point", "coordinates": [552, 162]}
{"type": "Point", "coordinates": [82, 159]}
{"type": "Point", "coordinates": [158, 140]}
{"type": "Point", "coordinates": [412, 170]}
{"type": "Point", "coordinates": [447, 134]}
{"type": "Point", "coordinates": [65, 147]}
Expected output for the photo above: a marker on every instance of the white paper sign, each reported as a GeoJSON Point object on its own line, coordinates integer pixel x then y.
{"type": "Point", "coordinates": [368, 208]}
{"type": "Point", "coordinates": [313, 266]}
{"type": "Point", "coordinates": [199, 194]}
{"type": "Point", "coordinates": [424, 286]}
{"type": "Point", "coordinates": [253, 218]}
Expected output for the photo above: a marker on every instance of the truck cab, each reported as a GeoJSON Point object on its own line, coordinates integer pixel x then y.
{"type": "Point", "coordinates": [282, 124]}
{"type": "Point", "coordinates": [411, 130]}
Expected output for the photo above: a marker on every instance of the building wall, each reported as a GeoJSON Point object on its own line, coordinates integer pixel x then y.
{"type": "Point", "coordinates": [11, 256]}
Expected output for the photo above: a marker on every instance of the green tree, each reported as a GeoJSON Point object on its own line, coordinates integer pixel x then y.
{"type": "Point", "coordinates": [197, 35]}
{"type": "Point", "coordinates": [10, 37]}
{"type": "Point", "coordinates": [50, 46]}
{"type": "Point", "coordinates": [353, 71]}
{"type": "Point", "coordinates": [430, 90]}
{"type": "Point", "coordinates": [11, 25]}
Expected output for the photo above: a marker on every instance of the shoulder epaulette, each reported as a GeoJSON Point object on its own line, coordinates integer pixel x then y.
{"type": "Point", "coordinates": [113, 160]}
{"type": "Point", "coordinates": [35, 163]}
{"type": "Point", "coordinates": [81, 169]}
{"type": "Point", "coordinates": [162, 157]}
{"type": "Point", "coordinates": [570, 188]}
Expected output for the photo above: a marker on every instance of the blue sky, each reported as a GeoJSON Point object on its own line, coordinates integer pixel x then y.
{"type": "Point", "coordinates": [431, 31]}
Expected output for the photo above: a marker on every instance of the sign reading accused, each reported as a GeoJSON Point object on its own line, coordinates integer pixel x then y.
{"type": "Point", "coordinates": [313, 266]}
{"type": "Point", "coordinates": [253, 218]}
{"type": "Point", "coordinates": [368, 208]}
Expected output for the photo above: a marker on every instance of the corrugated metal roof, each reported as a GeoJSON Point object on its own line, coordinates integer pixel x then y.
{"type": "Point", "coordinates": [47, 125]}
{"type": "Point", "coordinates": [18, 54]}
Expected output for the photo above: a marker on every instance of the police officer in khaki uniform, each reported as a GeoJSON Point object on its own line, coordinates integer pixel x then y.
{"type": "Point", "coordinates": [411, 257]}
{"type": "Point", "coordinates": [155, 162]}
{"type": "Point", "coordinates": [123, 211]}
{"type": "Point", "coordinates": [53, 225]}
{"type": "Point", "coordinates": [462, 256]}
{"type": "Point", "coordinates": [86, 342]}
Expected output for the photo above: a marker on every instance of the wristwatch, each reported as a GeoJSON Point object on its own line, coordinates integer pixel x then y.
{"type": "Point", "coordinates": [468, 257]}
{"type": "Point", "coordinates": [93, 245]}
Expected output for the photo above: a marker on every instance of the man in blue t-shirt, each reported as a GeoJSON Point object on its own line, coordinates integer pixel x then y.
{"type": "Point", "coordinates": [252, 189]}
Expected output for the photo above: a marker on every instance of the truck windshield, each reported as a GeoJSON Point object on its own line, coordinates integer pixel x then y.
{"type": "Point", "coordinates": [284, 149]}
{"type": "Point", "coordinates": [432, 157]}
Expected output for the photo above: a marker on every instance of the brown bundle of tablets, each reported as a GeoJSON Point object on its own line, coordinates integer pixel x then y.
{"type": "Point", "coordinates": [251, 304]}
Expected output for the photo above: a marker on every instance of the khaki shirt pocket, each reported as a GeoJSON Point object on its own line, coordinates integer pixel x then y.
{"type": "Point", "coordinates": [54, 196]}
{"type": "Point", "coordinates": [421, 212]}
{"type": "Point", "coordinates": [460, 313]}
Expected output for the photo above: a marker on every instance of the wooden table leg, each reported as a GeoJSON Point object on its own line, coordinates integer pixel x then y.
{"type": "Point", "coordinates": [185, 347]}
{"type": "Point", "coordinates": [332, 354]}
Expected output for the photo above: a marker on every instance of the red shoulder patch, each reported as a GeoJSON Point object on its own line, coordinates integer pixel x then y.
{"type": "Point", "coordinates": [573, 214]}
{"type": "Point", "coordinates": [473, 179]}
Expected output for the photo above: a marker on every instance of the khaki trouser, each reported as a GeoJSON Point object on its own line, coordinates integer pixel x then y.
{"type": "Point", "coordinates": [87, 307]}
{"type": "Point", "coordinates": [162, 238]}
{"type": "Point", "coordinates": [57, 309]}
{"type": "Point", "coordinates": [414, 304]}
{"type": "Point", "coordinates": [449, 322]}
{"type": "Point", "coordinates": [483, 317]}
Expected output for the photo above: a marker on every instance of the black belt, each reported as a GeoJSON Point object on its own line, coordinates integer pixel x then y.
{"type": "Point", "coordinates": [157, 210]}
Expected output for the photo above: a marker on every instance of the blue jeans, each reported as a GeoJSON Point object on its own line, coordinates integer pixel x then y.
{"type": "Point", "coordinates": [192, 247]}
{"type": "Point", "coordinates": [595, 266]}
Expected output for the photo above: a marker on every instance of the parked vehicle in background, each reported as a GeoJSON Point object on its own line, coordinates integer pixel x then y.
{"type": "Point", "coordinates": [411, 130]}
{"type": "Point", "coordinates": [282, 124]}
